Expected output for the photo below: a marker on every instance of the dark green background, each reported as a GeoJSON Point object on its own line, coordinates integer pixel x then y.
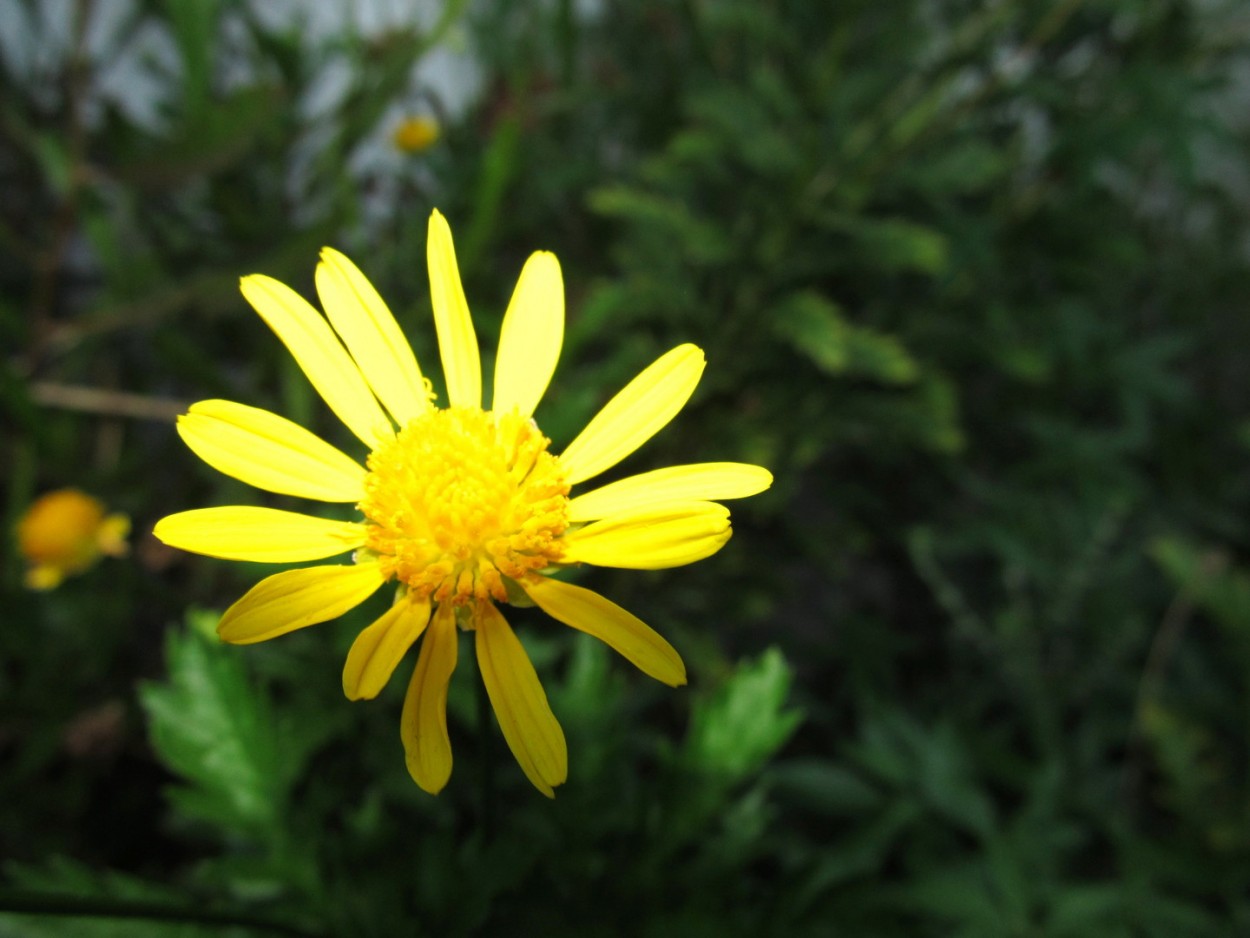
{"type": "Point", "coordinates": [973, 282]}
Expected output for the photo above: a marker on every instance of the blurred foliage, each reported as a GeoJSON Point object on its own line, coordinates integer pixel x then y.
{"type": "Point", "coordinates": [972, 280]}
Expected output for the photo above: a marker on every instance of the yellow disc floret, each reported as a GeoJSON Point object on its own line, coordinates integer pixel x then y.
{"type": "Point", "coordinates": [461, 499]}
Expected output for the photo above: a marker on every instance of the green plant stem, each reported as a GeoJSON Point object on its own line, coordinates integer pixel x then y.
{"type": "Point", "coordinates": [1162, 649]}
{"type": "Point", "coordinates": [33, 903]}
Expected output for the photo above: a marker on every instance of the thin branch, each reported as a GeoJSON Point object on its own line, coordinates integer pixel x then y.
{"type": "Point", "coordinates": [1162, 649]}
{"type": "Point", "coordinates": [101, 401]}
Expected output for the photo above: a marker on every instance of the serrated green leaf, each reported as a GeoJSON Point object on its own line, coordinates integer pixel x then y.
{"type": "Point", "coordinates": [931, 763]}
{"type": "Point", "coordinates": [211, 726]}
{"type": "Point", "coordinates": [736, 730]}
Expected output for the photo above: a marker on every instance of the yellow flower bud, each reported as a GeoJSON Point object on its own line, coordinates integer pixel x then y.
{"type": "Point", "coordinates": [415, 134]}
{"type": "Point", "coordinates": [65, 532]}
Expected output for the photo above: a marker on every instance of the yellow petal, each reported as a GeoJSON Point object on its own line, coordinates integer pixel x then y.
{"type": "Point", "coordinates": [322, 357]}
{"type": "Point", "coordinates": [531, 336]}
{"type": "Point", "coordinates": [651, 538]}
{"type": "Point", "coordinates": [367, 328]}
{"type": "Point", "coordinates": [708, 481]}
{"type": "Point", "coordinates": [529, 726]}
{"type": "Point", "coordinates": [265, 535]}
{"type": "Point", "coordinates": [457, 343]}
{"type": "Point", "coordinates": [620, 630]}
{"type": "Point", "coordinates": [377, 650]}
{"type": "Point", "coordinates": [636, 414]}
{"type": "Point", "coordinates": [423, 725]}
{"type": "Point", "coordinates": [270, 452]}
{"type": "Point", "coordinates": [293, 599]}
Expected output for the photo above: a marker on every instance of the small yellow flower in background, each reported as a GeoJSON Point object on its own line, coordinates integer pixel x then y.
{"type": "Point", "coordinates": [463, 508]}
{"type": "Point", "coordinates": [65, 532]}
{"type": "Point", "coordinates": [414, 134]}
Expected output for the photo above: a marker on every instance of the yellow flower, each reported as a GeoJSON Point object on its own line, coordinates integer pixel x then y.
{"type": "Point", "coordinates": [414, 134]}
{"type": "Point", "coordinates": [65, 532]}
{"type": "Point", "coordinates": [463, 508]}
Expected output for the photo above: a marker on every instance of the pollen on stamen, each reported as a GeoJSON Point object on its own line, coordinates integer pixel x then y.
{"type": "Point", "coordinates": [461, 499]}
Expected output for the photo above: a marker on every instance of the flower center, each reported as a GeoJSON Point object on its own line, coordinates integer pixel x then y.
{"type": "Point", "coordinates": [461, 499]}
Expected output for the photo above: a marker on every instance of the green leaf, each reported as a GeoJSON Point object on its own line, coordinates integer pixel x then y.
{"type": "Point", "coordinates": [931, 763]}
{"type": "Point", "coordinates": [55, 161]}
{"type": "Point", "coordinates": [498, 168]}
{"type": "Point", "coordinates": [1157, 915]}
{"type": "Point", "coordinates": [701, 241]}
{"type": "Point", "coordinates": [736, 730]}
{"type": "Point", "coordinates": [862, 851]}
{"type": "Point", "coordinates": [194, 24]}
{"type": "Point", "coordinates": [972, 165]}
{"type": "Point", "coordinates": [1195, 776]}
{"type": "Point", "coordinates": [825, 787]}
{"type": "Point", "coordinates": [895, 244]}
{"type": "Point", "coordinates": [750, 133]}
{"type": "Point", "coordinates": [1087, 910]}
{"type": "Point", "coordinates": [1205, 576]}
{"type": "Point", "coordinates": [963, 895]}
{"type": "Point", "coordinates": [212, 726]}
{"type": "Point", "coordinates": [815, 327]}
{"type": "Point", "coordinates": [65, 883]}
{"type": "Point", "coordinates": [892, 244]}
